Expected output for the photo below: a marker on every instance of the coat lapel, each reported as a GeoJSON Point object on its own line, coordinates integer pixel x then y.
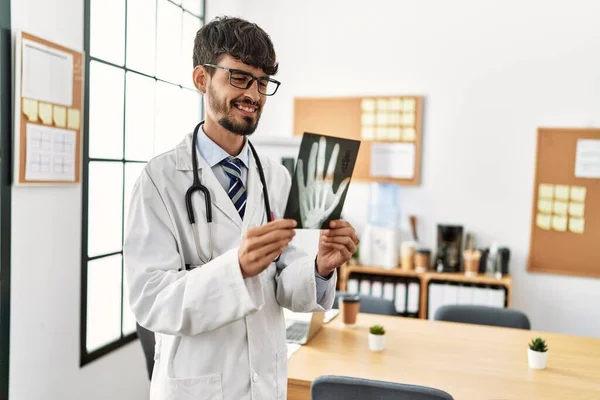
{"type": "Point", "coordinates": [218, 196]}
{"type": "Point", "coordinates": [255, 209]}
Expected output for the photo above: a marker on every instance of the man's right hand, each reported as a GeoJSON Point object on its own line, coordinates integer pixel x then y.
{"type": "Point", "coordinates": [262, 244]}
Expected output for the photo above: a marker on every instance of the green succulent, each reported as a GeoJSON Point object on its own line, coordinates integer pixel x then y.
{"type": "Point", "coordinates": [538, 344]}
{"type": "Point", "coordinates": [377, 330]}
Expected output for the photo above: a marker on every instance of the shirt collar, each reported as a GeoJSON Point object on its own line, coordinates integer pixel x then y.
{"type": "Point", "coordinates": [214, 154]}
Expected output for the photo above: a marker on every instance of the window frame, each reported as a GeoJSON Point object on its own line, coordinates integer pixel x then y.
{"type": "Point", "coordinates": [6, 124]}
{"type": "Point", "coordinates": [85, 356]}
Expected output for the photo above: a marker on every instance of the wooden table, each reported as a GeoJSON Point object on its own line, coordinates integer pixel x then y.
{"type": "Point", "coordinates": [467, 361]}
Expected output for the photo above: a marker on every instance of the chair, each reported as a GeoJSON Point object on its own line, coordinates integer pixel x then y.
{"type": "Point", "coordinates": [148, 341]}
{"type": "Point", "coordinates": [371, 304]}
{"type": "Point", "coordinates": [331, 387]}
{"type": "Point", "coordinates": [483, 315]}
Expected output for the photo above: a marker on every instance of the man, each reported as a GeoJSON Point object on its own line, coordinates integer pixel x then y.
{"type": "Point", "coordinates": [220, 330]}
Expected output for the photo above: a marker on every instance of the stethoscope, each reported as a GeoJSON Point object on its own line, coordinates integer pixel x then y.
{"type": "Point", "coordinates": [199, 187]}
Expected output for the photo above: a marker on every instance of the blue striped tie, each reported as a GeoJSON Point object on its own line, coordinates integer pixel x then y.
{"type": "Point", "coordinates": [237, 191]}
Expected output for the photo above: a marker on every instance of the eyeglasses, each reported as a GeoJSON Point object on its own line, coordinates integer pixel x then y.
{"type": "Point", "coordinates": [243, 80]}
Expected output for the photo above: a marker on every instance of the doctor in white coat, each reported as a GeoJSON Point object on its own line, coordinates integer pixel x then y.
{"type": "Point", "coordinates": [216, 306]}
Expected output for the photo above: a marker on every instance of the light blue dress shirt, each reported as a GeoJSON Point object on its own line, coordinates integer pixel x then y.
{"type": "Point", "coordinates": [213, 154]}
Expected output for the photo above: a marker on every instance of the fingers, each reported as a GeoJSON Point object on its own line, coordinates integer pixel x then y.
{"type": "Point", "coordinates": [321, 158]}
{"type": "Point", "coordinates": [277, 247]}
{"type": "Point", "coordinates": [332, 163]}
{"type": "Point", "coordinates": [338, 195]}
{"type": "Point", "coordinates": [300, 175]}
{"type": "Point", "coordinates": [312, 160]}
{"type": "Point", "coordinates": [339, 247]}
{"type": "Point", "coordinates": [346, 241]}
{"type": "Point", "coordinates": [271, 226]}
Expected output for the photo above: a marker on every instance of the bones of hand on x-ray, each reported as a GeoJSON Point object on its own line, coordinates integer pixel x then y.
{"type": "Point", "coordinates": [316, 197]}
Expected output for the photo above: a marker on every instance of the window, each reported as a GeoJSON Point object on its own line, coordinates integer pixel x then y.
{"type": "Point", "coordinates": [139, 102]}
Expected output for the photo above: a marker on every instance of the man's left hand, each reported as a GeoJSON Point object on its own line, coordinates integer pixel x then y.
{"type": "Point", "coordinates": [336, 246]}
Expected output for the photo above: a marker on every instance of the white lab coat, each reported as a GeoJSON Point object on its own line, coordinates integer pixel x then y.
{"type": "Point", "coordinates": [219, 336]}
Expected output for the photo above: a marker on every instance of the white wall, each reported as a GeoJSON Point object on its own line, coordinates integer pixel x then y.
{"type": "Point", "coordinates": [46, 268]}
{"type": "Point", "coordinates": [491, 73]}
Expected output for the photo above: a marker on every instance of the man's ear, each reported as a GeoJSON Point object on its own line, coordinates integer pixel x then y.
{"type": "Point", "coordinates": [201, 77]}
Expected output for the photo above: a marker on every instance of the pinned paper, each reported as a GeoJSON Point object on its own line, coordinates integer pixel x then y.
{"type": "Point", "coordinates": [382, 118]}
{"type": "Point", "coordinates": [45, 111]}
{"type": "Point", "coordinates": [559, 223]}
{"type": "Point", "coordinates": [578, 193]}
{"type": "Point", "coordinates": [561, 192]}
{"type": "Point", "coordinates": [409, 105]}
{"type": "Point", "coordinates": [409, 119]}
{"type": "Point", "coordinates": [73, 118]}
{"type": "Point", "coordinates": [60, 116]}
{"type": "Point", "coordinates": [395, 133]}
{"type": "Point", "coordinates": [560, 207]}
{"type": "Point", "coordinates": [576, 209]}
{"type": "Point", "coordinates": [30, 109]}
{"type": "Point", "coordinates": [543, 221]}
{"type": "Point", "coordinates": [545, 206]}
{"type": "Point", "coordinates": [409, 134]}
{"type": "Point", "coordinates": [368, 119]}
{"type": "Point", "coordinates": [546, 191]}
{"type": "Point", "coordinates": [368, 105]}
{"type": "Point", "coordinates": [577, 225]}
{"type": "Point", "coordinates": [383, 104]}
{"type": "Point", "coordinates": [367, 133]}
{"type": "Point", "coordinates": [395, 104]}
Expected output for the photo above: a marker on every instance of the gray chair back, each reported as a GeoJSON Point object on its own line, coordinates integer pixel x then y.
{"type": "Point", "coordinates": [483, 315]}
{"type": "Point", "coordinates": [371, 304]}
{"type": "Point", "coordinates": [148, 341]}
{"type": "Point", "coordinates": [331, 387]}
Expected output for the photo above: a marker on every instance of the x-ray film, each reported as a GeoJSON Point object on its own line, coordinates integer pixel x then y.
{"type": "Point", "coordinates": [320, 180]}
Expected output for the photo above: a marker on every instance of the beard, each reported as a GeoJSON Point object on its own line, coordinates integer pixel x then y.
{"type": "Point", "coordinates": [228, 122]}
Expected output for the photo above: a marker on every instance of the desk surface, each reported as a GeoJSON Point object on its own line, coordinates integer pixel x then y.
{"type": "Point", "coordinates": [467, 361]}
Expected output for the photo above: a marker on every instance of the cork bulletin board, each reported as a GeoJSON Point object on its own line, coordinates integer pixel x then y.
{"type": "Point", "coordinates": [389, 127]}
{"type": "Point", "coordinates": [48, 112]}
{"type": "Point", "coordinates": [565, 226]}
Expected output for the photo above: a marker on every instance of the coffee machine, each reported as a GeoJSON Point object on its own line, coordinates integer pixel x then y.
{"type": "Point", "coordinates": [449, 248]}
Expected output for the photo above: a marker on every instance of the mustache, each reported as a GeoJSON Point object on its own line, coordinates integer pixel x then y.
{"type": "Point", "coordinates": [247, 101]}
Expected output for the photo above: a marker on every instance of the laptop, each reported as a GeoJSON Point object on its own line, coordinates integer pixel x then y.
{"type": "Point", "coordinates": [301, 327]}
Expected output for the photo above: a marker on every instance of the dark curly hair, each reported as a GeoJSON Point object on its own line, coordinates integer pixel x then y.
{"type": "Point", "coordinates": [242, 40]}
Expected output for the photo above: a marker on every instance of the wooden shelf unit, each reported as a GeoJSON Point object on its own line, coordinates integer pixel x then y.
{"type": "Point", "coordinates": [425, 278]}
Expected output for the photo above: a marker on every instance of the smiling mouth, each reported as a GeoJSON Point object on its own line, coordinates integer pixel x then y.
{"type": "Point", "coordinates": [246, 108]}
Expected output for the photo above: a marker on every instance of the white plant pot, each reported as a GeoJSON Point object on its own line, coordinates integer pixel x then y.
{"type": "Point", "coordinates": [537, 359]}
{"type": "Point", "coordinates": [376, 342]}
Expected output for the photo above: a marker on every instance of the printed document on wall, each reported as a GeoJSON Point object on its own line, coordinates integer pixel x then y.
{"type": "Point", "coordinates": [393, 160]}
{"type": "Point", "coordinates": [587, 163]}
{"type": "Point", "coordinates": [50, 154]}
{"type": "Point", "coordinates": [47, 74]}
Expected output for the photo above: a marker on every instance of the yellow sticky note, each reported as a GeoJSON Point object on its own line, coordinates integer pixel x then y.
{"type": "Point", "coordinates": [545, 206]}
{"type": "Point", "coordinates": [561, 192]}
{"type": "Point", "coordinates": [396, 104]}
{"type": "Point", "coordinates": [45, 111]}
{"type": "Point", "coordinates": [368, 119]}
{"type": "Point", "coordinates": [383, 104]}
{"type": "Point", "coordinates": [576, 209]}
{"type": "Point", "coordinates": [559, 223]}
{"type": "Point", "coordinates": [30, 109]}
{"type": "Point", "coordinates": [367, 133]}
{"type": "Point", "coordinates": [543, 221]}
{"type": "Point", "coordinates": [395, 133]}
{"type": "Point", "coordinates": [546, 191]}
{"type": "Point", "coordinates": [60, 116]}
{"type": "Point", "coordinates": [560, 207]}
{"type": "Point", "coordinates": [409, 134]}
{"type": "Point", "coordinates": [73, 118]}
{"type": "Point", "coordinates": [577, 225]}
{"type": "Point", "coordinates": [409, 105]}
{"type": "Point", "coordinates": [368, 105]}
{"type": "Point", "coordinates": [578, 193]}
{"type": "Point", "coordinates": [408, 119]}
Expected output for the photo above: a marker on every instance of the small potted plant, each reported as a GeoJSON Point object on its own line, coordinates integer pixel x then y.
{"type": "Point", "coordinates": [376, 338]}
{"type": "Point", "coordinates": [537, 353]}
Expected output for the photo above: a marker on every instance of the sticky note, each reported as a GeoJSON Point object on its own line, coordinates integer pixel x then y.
{"type": "Point", "coordinates": [368, 119]}
{"type": "Point", "coordinates": [545, 206]}
{"type": "Point", "coordinates": [73, 118]}
{"type": "Point", "coordinates": [561, 192]}
{"type": "Point", "coordinates": [409, 134]}
{"type": "Point", "coordinates": [560, 207]}
{"type": "Point", "coordinates": [559, 223]}
{"type": "Point", "coordinates": [382, 118]}
{"type": "Point", "coordinates": [409, 105]}
{"type": "Point", "coordinates": [383, 104]}
{"type": "Point", "coordinates": [30, 109]}
{"type": "Point", "coordinates": [546, 191]}
{"type": "Point", "coordinates": [543, 221]}
{"type": "Point", "coordinates": [395, 133]}
{"type": "Point", "coordinates": [368, 105]}
{"type": "Point", "coordinates": [368, 133]}
{"type": "Point", "coordinates": [578, 193]}
{"type": "Point", "coordinates": [395, 104]}
{"type": "Point", "coordinates": [45, 112]}
{"type": "Point", "coordinates": [576, 209]}
{"type": "Point", "coordinates": [408, 120]}
{"type": "Point", "coordinates": [60, 116]}
{"type": "Point", "coordinates": [577, 225]}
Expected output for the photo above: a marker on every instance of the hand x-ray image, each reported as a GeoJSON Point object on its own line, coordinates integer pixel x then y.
{"type": "Point", "coordinates": [320, 180]}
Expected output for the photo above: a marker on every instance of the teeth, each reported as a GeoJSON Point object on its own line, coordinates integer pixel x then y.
{"type": "Point", "coordinates": [247, 109]}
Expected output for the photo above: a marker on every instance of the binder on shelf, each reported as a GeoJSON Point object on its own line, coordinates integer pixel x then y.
{"type": "Point", "coordinates": [377, 288]}
{"type": "Point", "coordinates": [413, 297]}
{"type": "Point", "coordinates": [400, 300]}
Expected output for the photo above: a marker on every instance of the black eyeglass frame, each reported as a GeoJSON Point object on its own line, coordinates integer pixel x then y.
{"type": "Point", "coordinates": [250, 82]}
